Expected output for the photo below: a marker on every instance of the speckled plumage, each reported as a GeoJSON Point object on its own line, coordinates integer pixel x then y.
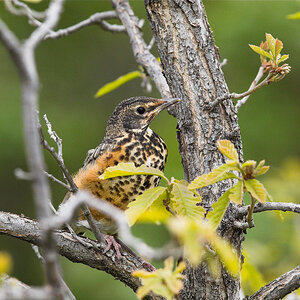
{"type": "Point", "coordinates": [128, 139]}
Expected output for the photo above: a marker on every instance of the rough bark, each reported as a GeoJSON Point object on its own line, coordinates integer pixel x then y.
{"type": "Point", "coordinates": [191, 66]}
{"type": "Point", "coordinates": [29, 230]}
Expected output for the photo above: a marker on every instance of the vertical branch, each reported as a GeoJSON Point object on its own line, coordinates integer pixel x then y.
{"type": "Point", "coordinates": [23, 56]}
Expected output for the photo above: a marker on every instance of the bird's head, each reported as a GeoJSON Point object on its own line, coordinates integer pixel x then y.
{"type": "Point", "coordinates": [135, 114]}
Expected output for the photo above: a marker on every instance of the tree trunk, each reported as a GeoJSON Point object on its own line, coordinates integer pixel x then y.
{"type": "Point", "coordinates": [191, 65]}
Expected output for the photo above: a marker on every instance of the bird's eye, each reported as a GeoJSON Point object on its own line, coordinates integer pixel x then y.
{"type": "Point", "coordinates": [140, 110]}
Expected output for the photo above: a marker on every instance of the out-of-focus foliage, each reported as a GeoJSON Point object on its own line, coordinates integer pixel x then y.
{"type": "Point", "coordinates": [5, 263]}
{"type": "Point", "coordinates": [166, 281]}
{"type": "Point", "coordinates": [294, 16]}
{"type": "Point", "coordinates": [72, 69]}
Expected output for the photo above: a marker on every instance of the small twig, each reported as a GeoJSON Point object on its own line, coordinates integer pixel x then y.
{"type": "Point", "coordinates": [57, 181]}
{"type": "Point", "coordinates": [20, 174]}
{"type": "Point", "coordinates": [250, 213]}
{"type": "Point", "coordinates": [241, 225]}
{"type": "Point", "coordinates": [258, 77]}
{"type": "Point", "coordinates": [217, 101]}
{"type": "Point", "coordinates": [223, 62]}
{"type": "Point", "coordinates": [260, 207]}
{"type": "Point", "coordinates": [23, 10]}
{"type": "Point", "coordinates": [97, 18]}
{"type": "Point", "coordinates": [151, 44]}
{"type": "Point", "coordinates": [36, 250]}
{"type": "Point", "coordinates": [280, 287]}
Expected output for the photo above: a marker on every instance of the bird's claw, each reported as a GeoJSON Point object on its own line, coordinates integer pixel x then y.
{"type": "Point", "coordinates": [110, 240]}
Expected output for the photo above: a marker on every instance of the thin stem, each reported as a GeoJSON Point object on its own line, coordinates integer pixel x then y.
{"type": "Point", "coordinates": [250, 213]}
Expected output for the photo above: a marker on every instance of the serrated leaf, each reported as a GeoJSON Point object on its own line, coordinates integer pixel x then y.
{"type": "Point", "coordinates": [117, 83]}
{"type": "Point", "coordinates": [294, 16]}
{"type": "Point", "coordinates": [263, 170]}
{"type": "Point", "coordinates": [283, 58]}
{"type": "Point", "coordinates": [219, 208]}
{"type": "Point", "coordinates": [184, 203]}
{"type": "Point", "coordinates": [260, 51]}
{"type": "Point", "coordinates": [227, 148]}
{"type": "Point", "coordinates": [143, 202]}
{"type": "Point", "coordinates": [237, 193]}
{"type": "Point", "coordinates": [218, 174]}
{"type": "Point", "coordinates": [165, 282]}
{"type": "Point", "coordinates": [256, 189]}
{"type": "Point", "coordinates": [278, 47]}
{"type": "Point", "coordinates": [271, 43]}
{"type": "Point", "coordinates": [128, 169]}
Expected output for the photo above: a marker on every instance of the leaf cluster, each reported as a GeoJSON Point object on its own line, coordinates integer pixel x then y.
{"type": "Point", "coordinates": [270, 56]}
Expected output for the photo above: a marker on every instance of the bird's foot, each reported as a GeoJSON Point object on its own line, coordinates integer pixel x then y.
{"type": "Point", "coordinates": [146, 265]}
{"type": "Point", "coordinates": [110, 240]}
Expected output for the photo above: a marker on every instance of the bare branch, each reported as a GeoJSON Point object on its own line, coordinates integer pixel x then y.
{"type": "Point", "coordinates": [23, 10]}
{"type": "Point", "coordinates": [12, 288]}
{"type": "Point", "coordinates": [223, 62]}
{"type": "Point", "coordinates": [52, 17]}
{"type": "Point", "coordinates": [29, 230]}
{"type": "Point", "coordinates": [280, 287]}
{"type": "Point", "coordinates": [258, 77]}
{"type": "Point", "coordinates": [66, 214]}
{"type": "Point", "coordinates": [217, 101]}
{"type": "Point", "coordinates": [97, 18]}
{"type": "Point", "coordinates": [282, 206]}
{"type": "Point", "coordinates": [140, 49]}
{"type": "Point", "coordinates": [57, 181]}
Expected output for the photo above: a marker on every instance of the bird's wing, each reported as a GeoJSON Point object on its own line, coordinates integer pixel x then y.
{"type": "Point", "coordinates": [93, 154]}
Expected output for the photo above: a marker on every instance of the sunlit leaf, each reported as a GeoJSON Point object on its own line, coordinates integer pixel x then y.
{"type": "Point", "coordinates": [218, 174]}
{"type": "Point", "coordinates": [165, 282]}
{"type": "Point", "coordinates": [184, 202]}
{"type": "Point", "coordinates": [278, 47]}
{"type": "Point", "coordinates": [249, 163]}
{"type": "Point", "coordinates": [117, 83]}
{"type": "Point", "coordinates": [237, 193]}
{"type": "Point", "coordinates": [256, 189]}
{"type": "Point", "coordinates": [260, 51]}
{"type": "Point", "coordinates": [271, 43]}
{"type": "Point", "coordinates": [263, 170]}
{"type": "Point", "coordinates": [294, 16]}
{"type": "Point", "coordinates": [227, 148]}
{"type": "Point", "coordinates": [143, 202]}
{"type": "Point", "coordinates": [128, 169]}
{"type": "Point", "coordinates": [215, 216]}
{"type": "Point", "coordinates": [283, 58]}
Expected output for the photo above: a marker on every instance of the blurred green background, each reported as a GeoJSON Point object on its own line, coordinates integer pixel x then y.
{"type": "Point", "coordinates": [71, 71]}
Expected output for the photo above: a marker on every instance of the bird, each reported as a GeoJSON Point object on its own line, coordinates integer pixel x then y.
{"type": "Point", "coordinates": [128, 138]}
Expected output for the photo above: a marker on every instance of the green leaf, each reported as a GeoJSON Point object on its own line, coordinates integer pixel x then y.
{"type": "Point", "coordinates": [184, 203]}
{"type": "Point", "coordinates": [260, 51]}
{"type": "Point", "coordinates": [227, 148]}
{"type": "Point", "coordinates": [271, 43]}
{"type": "Point", "coordinates": [256, 189]}
{"type": "Point", "coordinates": [117, 83]}
{"type": "Point", "coordinates": [249, 163]}
{"type": "Point", "coordinates": [219, 208]}
{"type": "Point", "coordinates": [283, 58]}
{"type": "Point", "coordinates": [263, 170]}
{"type": "Point", "coordinates": [278, 47]}
{"type": "Point", "coordinates": [143, 202]}
{"type": "Point", "coordinates": [294, 16]}
{"type": "Point", "coordinates": [218, 174]}
{"type": "Point", "coordinates": [5, 262]}
{"type": "Point", "coordinates": [237, 193]}
{"type": "Point", "coordinates": [165, 282]}
{"type": "Point", "coordinates": [128, 169]}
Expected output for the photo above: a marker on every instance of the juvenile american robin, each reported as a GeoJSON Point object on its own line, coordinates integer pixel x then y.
{"type": "Point", "coordinates": [128, 138]}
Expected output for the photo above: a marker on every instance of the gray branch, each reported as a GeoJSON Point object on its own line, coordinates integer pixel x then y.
{"type": "Point", "coordinates": [280, 287]}
{"type": "Point", "coordinates": [282, 206]}
{"type": "Point", "coordinates": [28, 230]}
{"type": "Point", "coordinates": [97, 18]}
{"type": "Point", "coordinates": [140, 49]}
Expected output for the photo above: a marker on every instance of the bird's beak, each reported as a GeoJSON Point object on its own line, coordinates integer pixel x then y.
{"type": "Point", "coordinates": [166, 103]}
